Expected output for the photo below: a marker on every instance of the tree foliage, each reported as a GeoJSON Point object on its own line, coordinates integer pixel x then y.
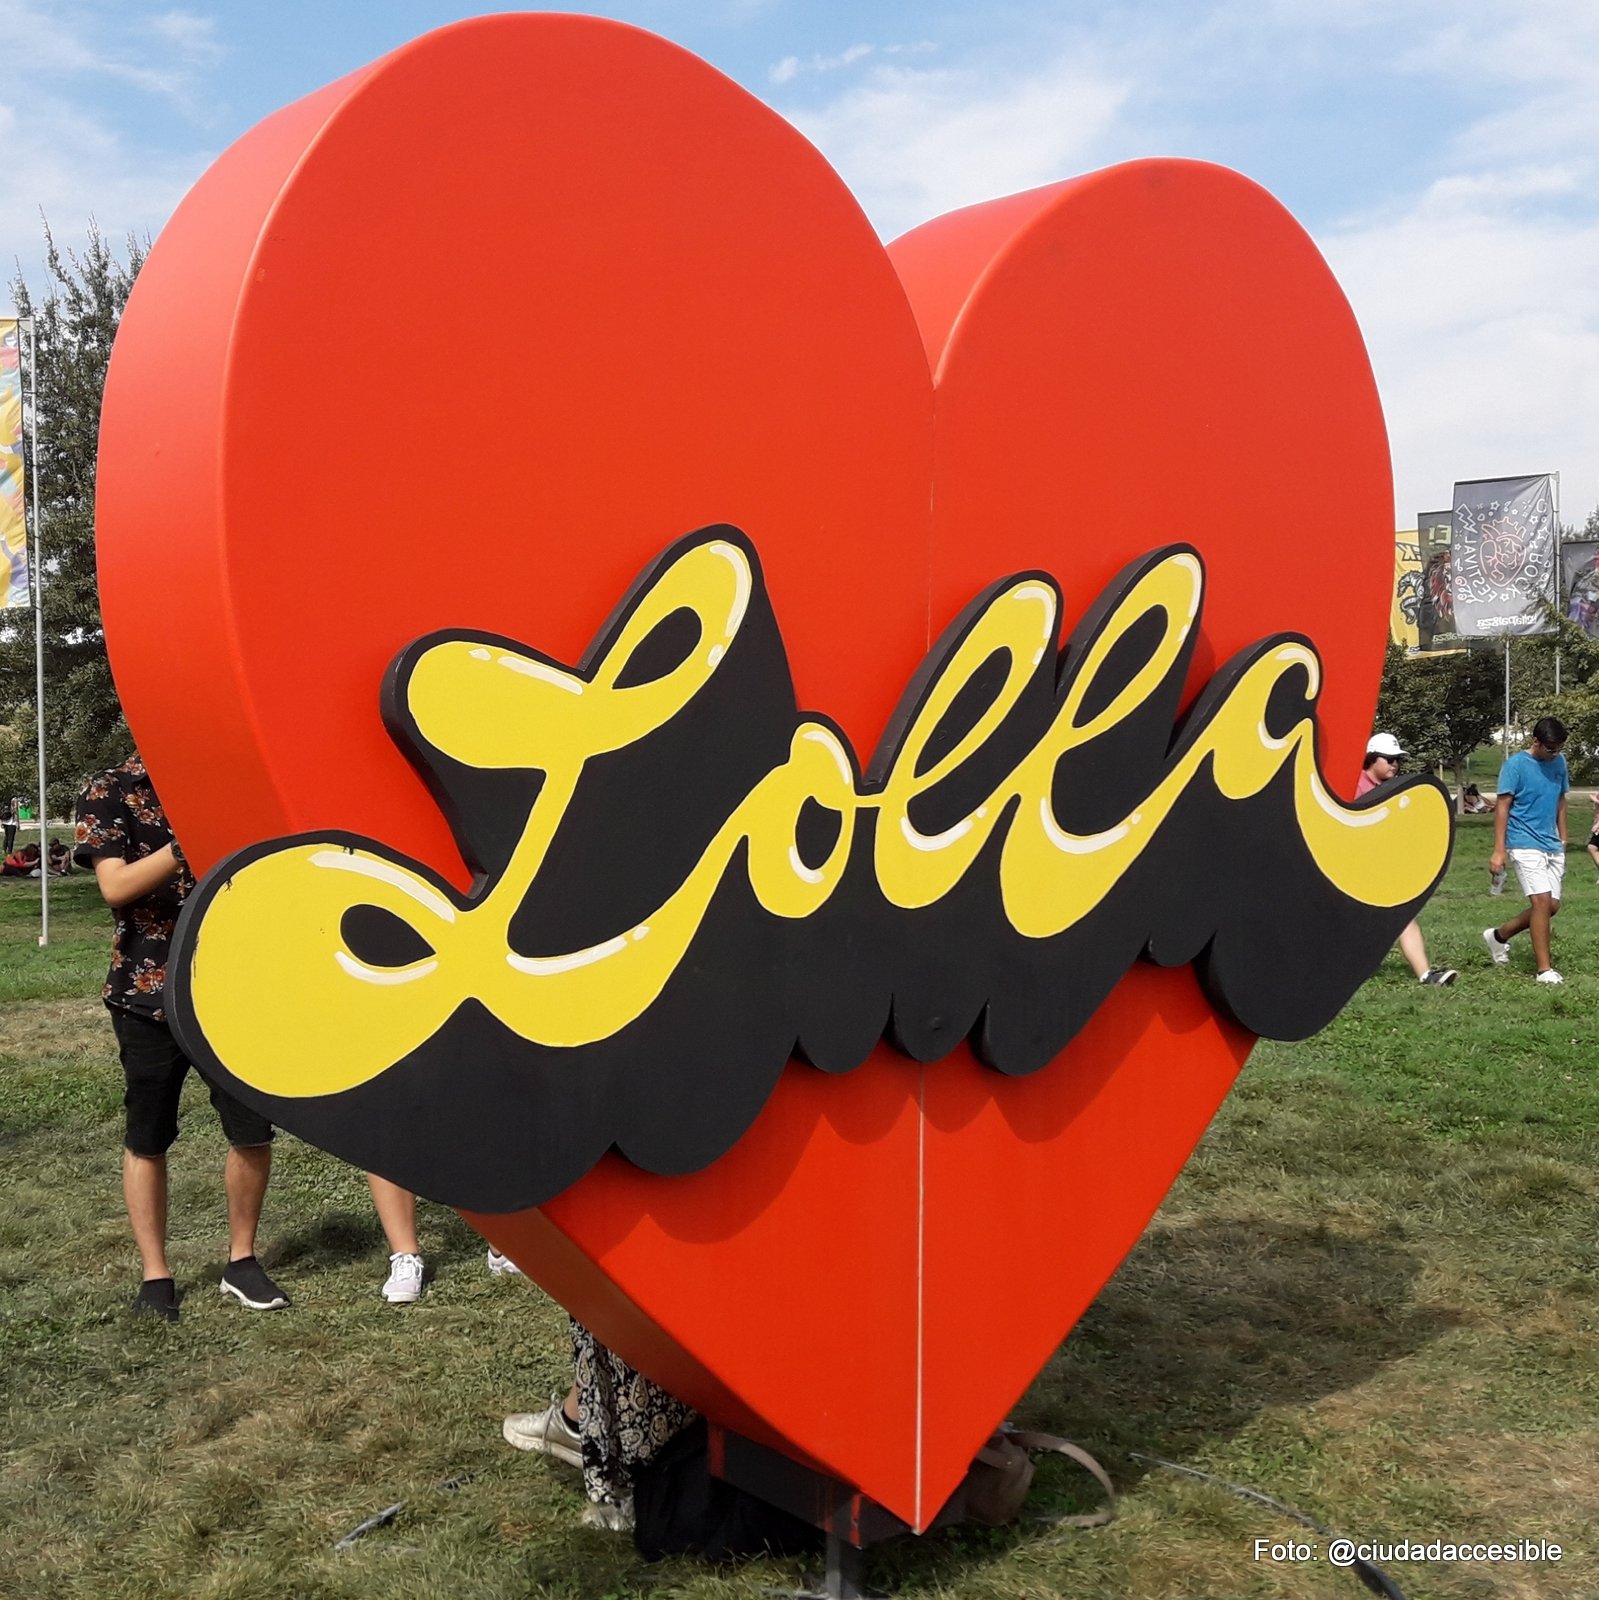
{"type": "Point", "coordinates": [1441, 707]}
{"type": "Point", "coordinates": [74, 324]}
{"type": "Point", "coordinates": [1577, 704]}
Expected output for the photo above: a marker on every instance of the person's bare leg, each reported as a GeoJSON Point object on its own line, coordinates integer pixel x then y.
{"type": "Point", "coordinates": [1413, 949]}
{"type": "Point", "coordinates": [396, 1209]}
{"type": "Point", "coordinates": [245, 1179]}
{"type": "Point", "coordinates": [1507, 931]}
{"type": "Point", "coordinates": [569, 1407]}
{"type": "Point", "coordinates": [1593, 854]}
{"type": "Point", "coordinates": [1538, 915]}
{"type": "Point", "coordinates": [144, 1188]}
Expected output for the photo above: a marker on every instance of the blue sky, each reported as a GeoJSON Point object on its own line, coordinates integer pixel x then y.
{"type": "Point", "coordinates": [1443, 153]}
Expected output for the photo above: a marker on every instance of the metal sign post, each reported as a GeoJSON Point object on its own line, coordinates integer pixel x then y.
{"type": "Point", "coordinates": [1505, 731]}
{"type": "Point", "coordinates": [25, 324]}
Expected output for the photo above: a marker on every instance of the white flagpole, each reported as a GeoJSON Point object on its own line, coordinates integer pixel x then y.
{"type": "Point", "coordinates": [1507, 699]}
{"type": "Point", "coordinates": [26, 325]}
{"type": "Point", "coordinates": [1560, 573]}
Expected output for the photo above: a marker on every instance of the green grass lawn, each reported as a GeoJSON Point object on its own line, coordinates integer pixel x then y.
{"type": "Point", "coordinates": [1373, 1294]}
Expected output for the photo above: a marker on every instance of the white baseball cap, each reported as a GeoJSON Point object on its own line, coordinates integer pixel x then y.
{"type": "Point", "coordinates": [1384, 744]}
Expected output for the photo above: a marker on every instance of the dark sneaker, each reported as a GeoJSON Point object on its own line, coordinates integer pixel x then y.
{"type": "Point", "coordinates": [248, 1283]}
{"type": "Point", "coordinates": [157, 1297]}
{"type": "Point", "coordinates": [1439, 975]}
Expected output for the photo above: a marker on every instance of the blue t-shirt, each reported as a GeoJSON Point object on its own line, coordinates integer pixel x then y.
{"type": "Point", "coordinates": [1537, 787]}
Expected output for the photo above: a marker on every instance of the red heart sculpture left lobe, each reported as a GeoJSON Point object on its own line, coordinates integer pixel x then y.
{"type": "Point", "coordinates": [465, 339]}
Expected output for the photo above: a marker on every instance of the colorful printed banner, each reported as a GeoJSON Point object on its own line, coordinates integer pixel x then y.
{"type": "Point", "coordinates": [1504, 555]}
{"type": "Point", "coordinates": [1433, 608]}
{"type": "Point", "coordinates": [1407, 591]}
{"type": "Point", "coordinates": [13, 529]}
{"type": "Point", "coordinates": [1579, 584]}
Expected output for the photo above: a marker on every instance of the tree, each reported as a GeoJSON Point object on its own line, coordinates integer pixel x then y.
{"type": "Point", "coordinates": [1441, 707]}
{"type": "Point", "coordinates": [74, 325]}
{"type": "Point", "coordinates": [1577, 704]}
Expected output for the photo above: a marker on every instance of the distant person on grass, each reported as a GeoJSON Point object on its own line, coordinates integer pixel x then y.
{"type": "Point", "coordinates": [1383, 756]}
{"type": "Point", "coordinates": [124, 839]}
{"type": "Point", "coordinates": [23, 863]}
{"type": "Point", "coordinates": [1593, 833]}
{"type": "Point", "coordinates": [1530, 826]}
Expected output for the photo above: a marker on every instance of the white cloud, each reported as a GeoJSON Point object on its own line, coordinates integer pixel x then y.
{"type": "Point", "coordinates": [68, 160]}
{"type": "Point", "coordinates": [193, 37]}
{"type": "Point", "coordinates": [791, 67]}
{"type": "Point", "coordinates": [1479, 296]}
{"type": "Point", "coordinates": [161, 54]}
{"type": "Point", "coordinates": [913, 143]}
{"type": "Point", "coordinates": [77, 169]}
{"type": "Point", "coordinates": [1484, 335]}
{"type": "Point", "coordinates": [1477, 287]}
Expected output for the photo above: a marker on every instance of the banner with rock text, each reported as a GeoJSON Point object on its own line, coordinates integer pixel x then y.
{"type": "Point", "coordinates": [1503, 562]}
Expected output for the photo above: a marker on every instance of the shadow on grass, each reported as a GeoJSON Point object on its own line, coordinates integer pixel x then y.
{"type": "Point", "coordinates": [1204, 1327]}
{"type": "Point", "coordinates": [331, 1241]}
{"type": "Point", "coordinates": [337, 1238]}
{"type": "Point", "coordinates": [1210, 1323]}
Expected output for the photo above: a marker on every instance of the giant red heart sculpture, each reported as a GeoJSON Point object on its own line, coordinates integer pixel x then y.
{"type": "Point", "coordinates": [465, 338]}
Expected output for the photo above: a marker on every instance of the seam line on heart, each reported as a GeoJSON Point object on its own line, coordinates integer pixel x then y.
{"type": "Point", "coordinates": [921, 1232]}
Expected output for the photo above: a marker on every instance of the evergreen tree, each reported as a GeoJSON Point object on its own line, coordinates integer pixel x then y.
{"type": "Point", "coordinates": [74, 324]}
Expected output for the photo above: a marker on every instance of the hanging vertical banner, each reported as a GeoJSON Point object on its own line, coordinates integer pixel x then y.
{"type": "Point", "coordinates": [1407, 592]}
{"type": "Point", "coordinates": [1503, 563]}
{"type": "Point", "coordinates": [1435, 606]}
{"type": "Point", "coordinates": [1579, 584]}
{"type": "Point", "coordinates": [13, 529]}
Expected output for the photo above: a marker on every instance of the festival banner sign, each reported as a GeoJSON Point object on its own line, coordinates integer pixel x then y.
{"type": "Point", "coordinates": [1503, 563]}
{"type": "Point", "coordinates": [1435, 599]}
{"type": "Point", "coordinates": [1407, 591]}
{"type": "Point", "coordinates": [1579, 584]}
{"type": "Point", "coordinates": [13, 530]}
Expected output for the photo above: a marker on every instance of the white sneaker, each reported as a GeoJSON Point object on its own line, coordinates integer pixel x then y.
{"type": "Point", "coordinates": [1549, 975]}
{"type": "Point", "coordinates": [546, 1432]}
{"type": "Point", "coordinates": [403, 1286]}
{"type": "Point", "coordinates": [1498, 953]}
{"type": "Point", "coordinates": [503, 1266]}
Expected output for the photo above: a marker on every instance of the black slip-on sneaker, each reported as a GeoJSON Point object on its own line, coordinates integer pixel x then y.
{"type": "Point", "coordinates": [157, 1297]}
{"type": "Point", "coordinates": [246, 1280]}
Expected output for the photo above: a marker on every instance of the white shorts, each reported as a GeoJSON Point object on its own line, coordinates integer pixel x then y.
{"type": "Point", "coordinates": [1539, 871]}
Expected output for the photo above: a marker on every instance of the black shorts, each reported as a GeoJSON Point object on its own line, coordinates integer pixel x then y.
{"type": "Point", "coordinates": [154, 1069]}
{"type": "Point", "coordinates": [1593, 838]}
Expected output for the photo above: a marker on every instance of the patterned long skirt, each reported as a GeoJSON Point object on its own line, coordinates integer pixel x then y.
{"type": "Point", "coordinates": [623, 1418]}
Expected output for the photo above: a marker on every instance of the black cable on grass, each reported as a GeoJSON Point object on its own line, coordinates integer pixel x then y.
{"type": "Point", "coordinates": [387, 1515]}
{"type": "Point", "coordinates": [1372, 1576]}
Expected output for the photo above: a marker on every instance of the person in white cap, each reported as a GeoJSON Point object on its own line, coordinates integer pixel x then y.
{"type": "Point", "coordinates": [1383, 755]}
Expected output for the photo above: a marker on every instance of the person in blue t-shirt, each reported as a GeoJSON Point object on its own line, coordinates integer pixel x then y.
{"type": "Point", "coordinates": [1530, 826]}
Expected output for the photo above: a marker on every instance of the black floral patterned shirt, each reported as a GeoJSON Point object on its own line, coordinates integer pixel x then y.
{"type": "Point", "coordinates": [120, 819]}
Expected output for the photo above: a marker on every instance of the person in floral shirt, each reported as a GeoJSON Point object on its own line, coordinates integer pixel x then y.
{"type": "Point", "coordinates": [124, 839]}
